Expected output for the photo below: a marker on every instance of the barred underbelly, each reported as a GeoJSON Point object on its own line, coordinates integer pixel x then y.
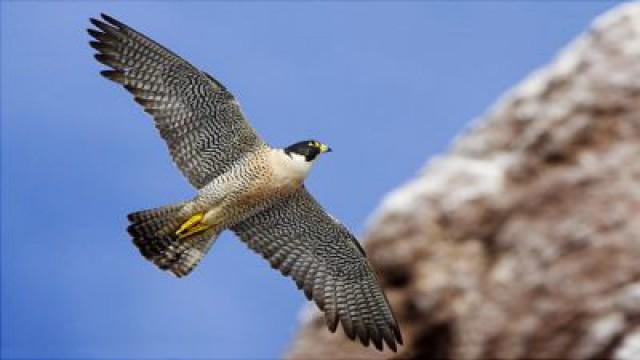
{"type": "Point", "coordinates": [254, 201]}
{"type": "Point", "coordinates": [250, 186]}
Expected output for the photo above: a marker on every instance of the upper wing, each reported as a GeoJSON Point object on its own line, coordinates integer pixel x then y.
{"type": "Point", "coordinates": [198, 118]}
{"type": "Point", "coordinates": [301, 240]}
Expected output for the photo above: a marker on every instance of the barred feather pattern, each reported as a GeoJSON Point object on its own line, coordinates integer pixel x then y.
{"type": "Point", "coordinates": [153, 233]}
{"type": "Point", "coordinates": [325, 260]}
{"type": "Point", "coordinates": [198, 118]}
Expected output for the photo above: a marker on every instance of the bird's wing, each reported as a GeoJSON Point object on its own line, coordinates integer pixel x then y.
{"type": "Point", "coordinates": [198, 118]}
{"type": "Point", "coordinates": [300, 239]}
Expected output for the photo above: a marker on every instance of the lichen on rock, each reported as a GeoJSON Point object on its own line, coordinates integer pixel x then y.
{"type": "Point", "coordinates": [523, 241]}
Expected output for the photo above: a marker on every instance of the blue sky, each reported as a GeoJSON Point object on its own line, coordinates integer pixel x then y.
{"type": "Point", "coordinates": [387, 85]}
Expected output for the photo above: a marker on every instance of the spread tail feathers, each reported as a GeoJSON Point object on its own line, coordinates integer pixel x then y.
{"type": "Point", "coordinates": [155, 233]}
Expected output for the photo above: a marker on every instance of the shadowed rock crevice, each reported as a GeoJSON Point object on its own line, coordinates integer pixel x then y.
{"type": "Point", "coordinates": [432, 344]}
{"type": "Point", "coordinates": [523, 241]}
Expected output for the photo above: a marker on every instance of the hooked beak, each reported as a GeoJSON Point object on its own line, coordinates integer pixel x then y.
{"type": "Point", "coordinates": [324, 148]}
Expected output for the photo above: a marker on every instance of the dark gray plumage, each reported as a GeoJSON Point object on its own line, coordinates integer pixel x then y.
{"type": "Point", "coordinates": [300, 239]}
{"type": "Point", "coordinates": [210, 140]}
{"type": "Point", "coordinates": [197, 117]}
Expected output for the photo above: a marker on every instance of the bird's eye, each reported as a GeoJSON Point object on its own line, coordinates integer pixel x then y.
{"type": "Point", "coordinates": [311, 144]}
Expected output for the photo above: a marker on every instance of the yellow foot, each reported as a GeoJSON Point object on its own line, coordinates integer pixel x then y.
{"type": "Point", "coordinates": [192, 226]}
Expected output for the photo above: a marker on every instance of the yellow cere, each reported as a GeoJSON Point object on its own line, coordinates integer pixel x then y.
{"type": "Point", "coordinates": [322, 147]}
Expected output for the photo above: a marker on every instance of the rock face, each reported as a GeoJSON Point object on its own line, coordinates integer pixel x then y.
{"type": "Point", "coordinates": [523, 241]}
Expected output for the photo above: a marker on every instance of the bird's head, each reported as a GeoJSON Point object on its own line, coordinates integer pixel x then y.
{"type": "Point", "coordinates": [309, 149]}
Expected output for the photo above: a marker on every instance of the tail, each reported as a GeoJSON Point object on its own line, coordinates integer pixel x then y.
{"type": "Point", "coordinates": [154, 233]}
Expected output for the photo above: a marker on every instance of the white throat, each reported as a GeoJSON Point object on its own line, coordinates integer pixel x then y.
{"type": "Point", "coordinates": [289, 169]}
{"type": "Point", "coordinates": [298, 165]}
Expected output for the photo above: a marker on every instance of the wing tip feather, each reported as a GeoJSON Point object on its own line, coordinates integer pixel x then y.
{"type": "Point", "coordinates": [347, 326]}
{"type": "Point", "coordinates": [377, 342]}
{"type": "Point", "coordinates": [112, 20]}
{"type": "Point", "coordinates": [98, 35]}
{"type": "Point", "coordinates": [331, 318]}
{"type": "Point", "coordinates": [397, 333]}
{"type": "Point", "coordinates": [113, 75]}
{"type": "Point", "coordinates": [95, 22]}
{"type": "Point", "coordinates": [109, 60]}
{"type": "Point", "coordinates": [103, 26]}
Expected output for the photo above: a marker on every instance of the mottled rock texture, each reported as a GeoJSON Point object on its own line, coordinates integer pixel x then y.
{"type": "Point", "coordinates": [524, 240]}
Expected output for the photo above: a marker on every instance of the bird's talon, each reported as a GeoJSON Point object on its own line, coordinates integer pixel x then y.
{"type": "Point", "coordinates": [192, 226]}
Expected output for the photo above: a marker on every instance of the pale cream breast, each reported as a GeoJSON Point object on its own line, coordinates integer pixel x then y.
{"type": "Point", "coordinates": [288, 170]}
{"type": "Point", "coordinates": [265, 175]}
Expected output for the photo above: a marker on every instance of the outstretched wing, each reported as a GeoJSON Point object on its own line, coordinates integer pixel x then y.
{"type": "Point", "coordinates": [301, 240]}
{"type": "Point", "coordinates": [198, 118]}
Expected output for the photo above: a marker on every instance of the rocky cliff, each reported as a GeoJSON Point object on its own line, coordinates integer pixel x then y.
{"type": "Point", "coordinates": [524, 240]}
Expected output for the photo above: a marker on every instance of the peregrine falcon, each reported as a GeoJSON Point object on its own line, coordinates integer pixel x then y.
{"type": "Point", "coordinates": [244, 185]}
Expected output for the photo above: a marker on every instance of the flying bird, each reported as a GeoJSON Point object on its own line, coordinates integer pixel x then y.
{"type": "Point", "coordinates": [244, 185]}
